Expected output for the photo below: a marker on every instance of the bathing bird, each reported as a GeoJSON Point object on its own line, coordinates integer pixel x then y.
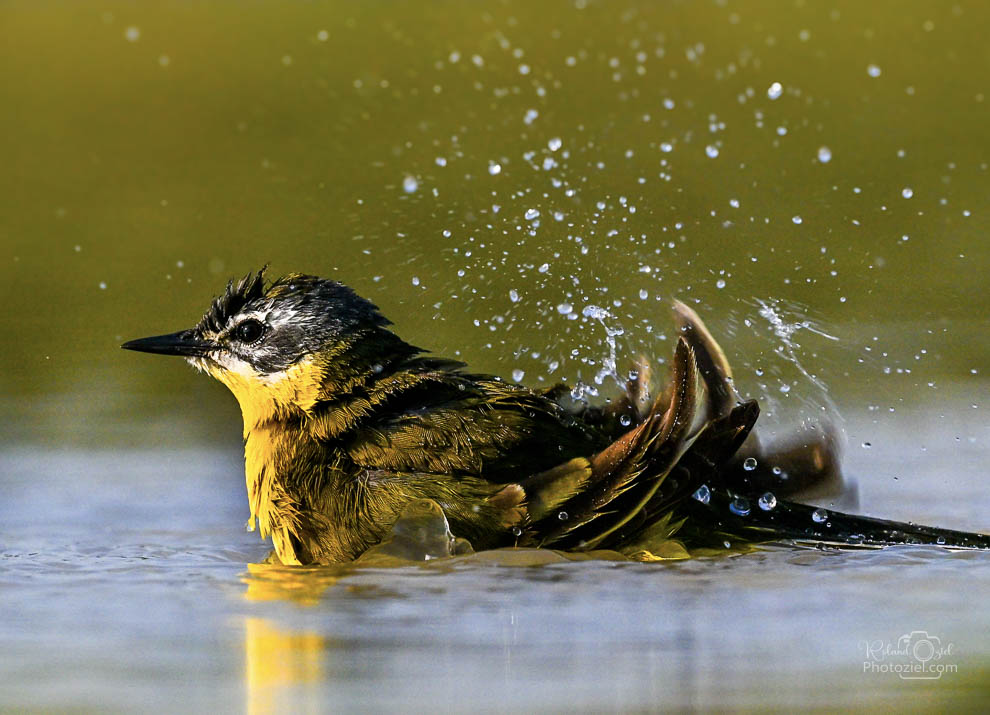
{"type": "Point", "coordinates": [346, 424]}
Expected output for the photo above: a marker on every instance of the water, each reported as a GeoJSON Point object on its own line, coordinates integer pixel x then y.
{"type": "Point", "coordinates": [808, 158]}
{"type": "Point", "coordinates": [128, 583]}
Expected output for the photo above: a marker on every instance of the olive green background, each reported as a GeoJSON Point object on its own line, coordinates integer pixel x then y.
{"type": "Point", "coordinates": [153, 150]}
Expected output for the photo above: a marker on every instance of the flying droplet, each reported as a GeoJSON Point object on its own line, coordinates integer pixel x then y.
{"type": "Point", "coordinates": [775, 90]}
{"type": "Point", "coordinates": [410, 184]}
{"type": "Point", "coordinates": [703, 494]}
{"type": "Point", "coordinates": [824, 154]}
{"type": "Point", "coordinates": [562, 515]}
{"type": "Point", "coordinates": [739, 506]}
{"type": "Point", "coordinates": [749, 464]}
{"type": "Point", "coordinates": [767, 502]}
{"type": "Point", "coordinates": [819, 515]}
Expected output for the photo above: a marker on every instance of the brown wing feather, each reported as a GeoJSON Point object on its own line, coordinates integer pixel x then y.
{"type": "Point", "coordinates": [636, 463]}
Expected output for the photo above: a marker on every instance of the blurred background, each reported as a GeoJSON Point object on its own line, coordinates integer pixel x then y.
{"type": "Point", "coordinates": [812, 177]}
{"type": "Point", "coordinates": [525, 186]}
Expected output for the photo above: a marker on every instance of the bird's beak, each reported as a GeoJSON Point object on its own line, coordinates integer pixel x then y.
{"type": "Point", "coordinates": [183, 343]}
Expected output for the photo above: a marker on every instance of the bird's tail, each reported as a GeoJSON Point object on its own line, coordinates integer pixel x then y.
{"type": "Point", "coordinates": [731, 516]}
{"type": "Point", "coordinates": [740, 488]}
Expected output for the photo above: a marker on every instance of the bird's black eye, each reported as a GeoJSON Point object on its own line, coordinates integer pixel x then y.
{"type": "Point", "coordinates": [249, 331]}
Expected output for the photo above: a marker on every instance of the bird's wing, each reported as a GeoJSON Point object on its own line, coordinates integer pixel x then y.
{"type": "Point", "coordinates": [580, 503]}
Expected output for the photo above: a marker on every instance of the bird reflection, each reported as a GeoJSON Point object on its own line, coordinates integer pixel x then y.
{"type": "Point", "coordinates": [282, 669]}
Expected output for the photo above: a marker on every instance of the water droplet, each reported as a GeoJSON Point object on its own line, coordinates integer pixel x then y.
{"type": "Point", "coordinates": [824, 154]}
{"type": "Point", "coordinates": [785, 388]}
{"type": "Point", "coordinates": [249, 525]}
{"type": "Point", "coordinates": [712, 151]}
{"type": "Point", "coordinates": [518, 375]}
{"type": "Point", "coordinates": [867, 445]}
{"type": "Point", "coordinates": [703, 494]}
{"type": "Point", "coordinates": [562, 515]}
{"type": "Point", "coordinates": [873, 70]}
{"type": "Point", "coordinates": [564, 308]}
{"type": "Point", "coordinates": [103, 285]}
{"type": "Point", "coordinates": [514, 295]}
{"type": "Point", "coordinates": [530, 116]}
{"type": "Point", "coordinates": [739, 506]}
{"type": "Point", "coordinates": [907, 192]}
{"type": "Point", "coordinates": [531, 214]}
{"type": "Point", "coordinates": [819, 515]}
{"type": "Point", "coordinates": [775, 90]}
{"type": "Point", "coordinates": [415, 280]}
{"type": "Point", "coordinates": [132, 34]}
{"type": "Point", "coordinates": [940, 540]}
{"type": "Point", "coordinates": [516, 531]}
{"type": "Point", "coordinates": [797, 219]}
{"type": "Point", "coordinates": [410, 184]}
{"type": "Point", "coordinates": [554, 144]}
{"type": "Point", "coordinates": [625, 420]}
{"type": "Point", "coordinates": [494, 168]}
{"type": "Point", "coordinates": [767, 502]}
{"type": "Point", "coordinates": [720, 284]}
{"type": "Point", "coordinates": [749, 464]}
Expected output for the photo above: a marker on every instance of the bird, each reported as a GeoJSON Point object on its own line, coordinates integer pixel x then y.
{"type": "Point", "coordinates": [346, 425]}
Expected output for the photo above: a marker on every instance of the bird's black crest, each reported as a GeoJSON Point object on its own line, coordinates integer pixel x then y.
{"type": "Point", "coordinates": [237, 295]}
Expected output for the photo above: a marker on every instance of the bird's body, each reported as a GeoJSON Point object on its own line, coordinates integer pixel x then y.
{"type": "Point", "coordinates": [345, 425]}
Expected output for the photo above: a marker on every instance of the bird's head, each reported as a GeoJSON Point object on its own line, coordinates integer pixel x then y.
{"type": "Point", "coordinates": [282, 347]}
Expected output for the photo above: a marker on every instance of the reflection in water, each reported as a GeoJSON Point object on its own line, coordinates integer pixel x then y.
{"type": "Point", "coordinates": [300, 584]}
{"type": "Point", "coordinates": [281, 668]}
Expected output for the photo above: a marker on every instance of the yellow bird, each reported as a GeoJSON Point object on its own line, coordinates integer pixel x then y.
{"type": "Point", "coordinates": [345, 424]}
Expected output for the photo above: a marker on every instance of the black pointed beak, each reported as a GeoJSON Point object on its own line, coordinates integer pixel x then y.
{"type": "Point", "coordinates": [183, 343]}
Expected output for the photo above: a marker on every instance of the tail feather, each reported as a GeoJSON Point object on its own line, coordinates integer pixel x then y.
{"type": "Point", "coordinates": [778, 520]}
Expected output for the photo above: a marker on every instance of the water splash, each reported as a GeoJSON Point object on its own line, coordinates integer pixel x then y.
{"type": "Point", "coordinates": [771, 311]}
{"type": "Point", "coordinates": [612, 331]}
